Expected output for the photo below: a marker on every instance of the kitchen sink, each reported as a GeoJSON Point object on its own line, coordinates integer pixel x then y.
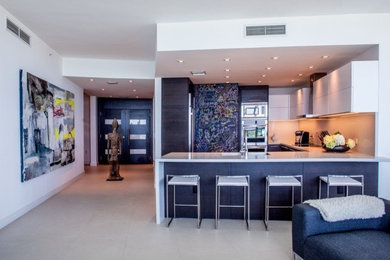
{"type": "Point", "coordinates": [283, 148]}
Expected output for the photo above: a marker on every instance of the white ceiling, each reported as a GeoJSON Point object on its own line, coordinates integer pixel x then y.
{"type": "Point", "coordinates": [247, 66]}
{"type": "Point", "coordinates": [126, 29]}
{"type": "Point", "coordinates": [144, 88]}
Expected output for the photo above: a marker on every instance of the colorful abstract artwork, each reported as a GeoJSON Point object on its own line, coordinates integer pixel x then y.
{"type": "Point", "coordinates": [47, 126]}
{"type": "Point", "coordinates": [216, 118]}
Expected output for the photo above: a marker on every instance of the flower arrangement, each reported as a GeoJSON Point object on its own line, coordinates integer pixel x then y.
{"type": "Point", "coordinates": [337, 143]}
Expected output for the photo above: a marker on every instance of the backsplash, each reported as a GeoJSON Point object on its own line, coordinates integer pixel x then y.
{"type": "Point", "coordinates": [356, 126]}
{"type": "Point", "coordinates": [284, 131]}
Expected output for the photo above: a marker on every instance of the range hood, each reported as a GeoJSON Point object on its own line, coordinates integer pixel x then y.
{"type": "Point", "coordinates": [302, 99]}
{"type": "Point", "coordinates": [308, 116]}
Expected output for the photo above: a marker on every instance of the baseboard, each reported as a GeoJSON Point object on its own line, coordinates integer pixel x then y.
{"type": "Point", "coordinates": [8, 220]}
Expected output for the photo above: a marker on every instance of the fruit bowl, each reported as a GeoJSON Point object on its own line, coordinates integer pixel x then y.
{"type": "Point", "coordinates": [337, 149]}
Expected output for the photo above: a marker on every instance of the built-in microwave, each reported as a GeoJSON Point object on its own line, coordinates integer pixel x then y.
{"type": "Point", "coordinates": [254, 110]}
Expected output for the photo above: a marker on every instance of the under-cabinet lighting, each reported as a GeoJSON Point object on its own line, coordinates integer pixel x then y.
{"type": "Point", "coordinates": [198, 73]}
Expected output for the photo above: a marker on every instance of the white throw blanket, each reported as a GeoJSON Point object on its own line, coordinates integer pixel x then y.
{"type": "Point", "coordinates": [351, 207]}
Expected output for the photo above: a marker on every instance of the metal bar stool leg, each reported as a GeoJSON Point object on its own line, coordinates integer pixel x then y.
{"type": "Point", "coordinates": [292, 196]}
{"type": "Point", "coordinates": [198, 202]}
{"type": "Point", "coordinates": [216, 202]}
{"type": "Point", "coordinates": [174, 201]}
{"type": "Point", "coordinates": [167, 201]}
{"type": "Point", "coordinates": [266, 209]}
{"type": "Point", "coordinates": [219, 203]}
{"type": "Point", "coordinates": [249, 204]}
{"type": "Point", "coordinates": [319, 188]}
{"type": "Point", "coordinates": [244, 192]}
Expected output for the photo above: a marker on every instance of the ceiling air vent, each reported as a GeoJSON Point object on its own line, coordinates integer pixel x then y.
{"type": "Point", "coordinates": [12, 27]}
{"type": "Point", "coordinates": [257, 30]}
{"type": "Point", "coordinates": [24, 36]}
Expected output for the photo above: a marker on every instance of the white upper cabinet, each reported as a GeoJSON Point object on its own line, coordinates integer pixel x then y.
{"type": "Point", "coordinates": [279, 107]}
{"type": "Point", "coordinates": [351, 88]}
{"type": "Point", "coordinates": [299, 103]}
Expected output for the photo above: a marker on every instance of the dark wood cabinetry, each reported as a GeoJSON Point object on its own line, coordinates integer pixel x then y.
{"type": "Point", "coordinates": [174, 115]}
{"type": "Point", "coordinates": [254, 94]}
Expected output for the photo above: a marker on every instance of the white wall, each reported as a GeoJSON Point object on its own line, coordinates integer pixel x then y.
{"type": "Point", "coordinates": [301, 31]}
{"type": "Point", "coordinates": [87, 129]}
{"type": "Point", "coordinates": [157, 118]}
{"type": "Point", "coordinates": [16, 197]}
{"type": "Point", "coordinates": [97, 68]}
{"type": "Point", "coordinates": [94, 131]}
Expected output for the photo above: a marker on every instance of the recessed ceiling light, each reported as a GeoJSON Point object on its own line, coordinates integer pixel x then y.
{"type": "Point", "coordinates": [259, 81]}
{"type": "Point", "coordinates": [269, 68]}
{"type": "Point", "coordinates": [134, 90]}
{"type": "Point", "coordinates": [180, 61]}
{"type": "Point", "coordinates": [324, 56]}
{"type": "Point", "coordinates": [226, 77]}
{"type": "Point", "coordinates": [310, 67]}
{"type": "Point", "coordinates": [131, 81]}
{"type": "Point", "coordinates": [300, 74]}
{"type": "Point", "coordinates": [102, 89]}
{"type": "Point", "coordinates": [112, 82]}
{"type": "Point", "coordinates": [198, 73]}
{"type": "Point", "coordinates": [275, 58]}
{"type": "Point", "coordinates": [91, 80]}
{"type": "Point", "coordinates": [264, 75]}
{"type": "Point", "coordinates": [292, 80]}
{"type": "Point", "coordinates": [136, 97]}
{"type": "Point", "coordinates": [110, 96]}
{"type": "Point", "coordinates": [227, 70]}
{"type": "Point", "coordinates": [227, 82]}
{"type": "Point", "coordinates": [226, 59]}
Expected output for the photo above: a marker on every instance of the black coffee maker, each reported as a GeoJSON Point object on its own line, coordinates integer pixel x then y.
{"type": "Point", "coordinates": [301, 138]}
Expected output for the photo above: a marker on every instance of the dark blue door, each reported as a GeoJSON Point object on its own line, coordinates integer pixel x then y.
{"type": "Point", "coordinates": [135, 128]}
{"type": "Point", "coordinates": [139, 136]}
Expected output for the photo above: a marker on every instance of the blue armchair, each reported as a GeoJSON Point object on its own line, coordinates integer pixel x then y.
{"type": "Point", "coordinates": [314, 238]}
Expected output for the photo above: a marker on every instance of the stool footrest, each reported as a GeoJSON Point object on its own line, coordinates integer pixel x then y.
{"type": "Point", "coordinates": [279, 207]}
{"type": "Point", "coordinates": [231, 206]}
{"type": "Point", "coordinates": [186, 205]}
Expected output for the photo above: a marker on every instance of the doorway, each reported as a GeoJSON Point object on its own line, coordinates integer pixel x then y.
{"type": "Point", "coordinates": [135, 126]}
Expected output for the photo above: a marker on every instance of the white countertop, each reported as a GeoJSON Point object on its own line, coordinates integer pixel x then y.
{"type": "Point", "coordinates": [310, 154]}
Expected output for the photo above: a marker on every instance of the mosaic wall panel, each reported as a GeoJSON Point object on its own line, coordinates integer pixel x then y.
{"type": "Point", "coordinates": [216, 118]}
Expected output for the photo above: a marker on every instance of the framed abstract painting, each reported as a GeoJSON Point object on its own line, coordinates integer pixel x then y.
{"type": "Point", "coordinates": [47, 126]}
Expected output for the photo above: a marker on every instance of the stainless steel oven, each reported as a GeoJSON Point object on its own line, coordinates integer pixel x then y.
{"type": "Point", "coordinates": [254, 127]}
{"type": "Point", "coordinates": [254, 134]}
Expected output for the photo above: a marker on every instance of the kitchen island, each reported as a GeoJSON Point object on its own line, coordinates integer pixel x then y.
{"type": "Point", "coordinates": [310, 162]}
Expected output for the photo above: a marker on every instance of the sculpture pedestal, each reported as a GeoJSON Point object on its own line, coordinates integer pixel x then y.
{"type": "Point", "coordinates": [115, 178]}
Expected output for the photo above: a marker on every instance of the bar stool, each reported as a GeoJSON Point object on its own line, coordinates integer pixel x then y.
{"type": "Point", "coordinates": [182, 180]}
{"type": "Point", "coordinates": [232, 181]}
{"type": "Point", "coordinates": [281, 181]}
{"type": "Point", "coordinates": [340, 181]}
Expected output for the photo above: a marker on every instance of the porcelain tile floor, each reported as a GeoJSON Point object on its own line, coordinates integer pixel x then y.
{"type": "Point", "coordinates": [95, 219]}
